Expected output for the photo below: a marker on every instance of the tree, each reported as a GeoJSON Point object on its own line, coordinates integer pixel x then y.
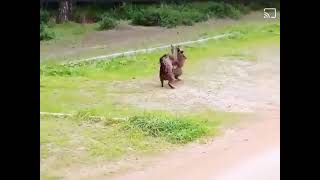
{"type": "Point", "coordinates": [65, 10]}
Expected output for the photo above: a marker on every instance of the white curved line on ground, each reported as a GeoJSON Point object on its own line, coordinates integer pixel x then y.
{"type": "Point", "coordinates": [149, 49]}
{"type": "Point", "coordinates": [131, 53]}
{"type": "Point", "coordinates": [69, 115]}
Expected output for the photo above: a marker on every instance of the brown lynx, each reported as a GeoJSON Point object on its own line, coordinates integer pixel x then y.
{"type": "Point", "coordinates": [171, 66]}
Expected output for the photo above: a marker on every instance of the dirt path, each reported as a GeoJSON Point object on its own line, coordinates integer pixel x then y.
{"type": "Point", "coordinates": [218, 84]}
{"type": "Point", "coordinates": [126, 37]}
{"type": "Point", "coordinates": [222, 158]}
{"type": "Point", "coordinates": [223, 84]}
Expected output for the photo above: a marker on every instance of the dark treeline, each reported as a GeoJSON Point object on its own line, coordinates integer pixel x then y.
{"type": "Point", "coordinates": [165, 13]}
{"type": "Point", "coordinates": [55, 3]}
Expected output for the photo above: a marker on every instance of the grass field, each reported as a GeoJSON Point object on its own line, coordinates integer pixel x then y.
{"type": "Point", "coordinates": [71, 89]}
{"type": "Point", "coordinates": [83, 90]}
{"type": "Point", "coordinates": [70, 142]}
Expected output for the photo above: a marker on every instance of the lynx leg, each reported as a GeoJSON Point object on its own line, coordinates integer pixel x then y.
{"type": "Point", "coordinates": [170, 84]}
{"type": "Point", "coordinates": [177, 78]}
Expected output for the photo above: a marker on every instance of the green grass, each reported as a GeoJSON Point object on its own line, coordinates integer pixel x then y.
{"type": "Point", "coordinates": [72, 46]}
{"type": "Point", "coordinates": [127, 67]}
{"type": "Point", "coordinates": [69, 32]}
{"type": "Point", "coordinates": [176, 130]}
{"type": "Point", "coordinates": [87, 86]}
{"type": "Point", "coordinates": [67, 142]}
{"type": "Point", "coordinates": [84, 90]}
{"type": "Point", "coordinates": [67, 35]}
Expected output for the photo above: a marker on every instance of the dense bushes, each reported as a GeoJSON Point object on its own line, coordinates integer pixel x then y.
{"type": "Point", "coordinates": [173, 15]}
{"type": "Point", "coordinates": [45, 34]}
{"type": "Point", "coordinates": [89, 14]}
{"type": "Point", "coordinates": [169, 13]}
{"type": "Point", "coordinates": [107, 22]}
{"type": "Point", "coordinates": [44, 16]}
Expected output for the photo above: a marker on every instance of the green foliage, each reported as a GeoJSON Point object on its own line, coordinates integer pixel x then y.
{"type": "Point", "coordinates": [58, 70]}
{"type": "Point", "coordinates": [172, 15]}
{"type": "Point", "coordinates": [44, 16]}
{"type": "Point", "coordinates": [221, 10]}
{"type": "Point", "coordinates": [88, 14]}
{"type": "Point", "coordinates": [107, 22]}
{"type": "Point", "coordinates": [45, 34]}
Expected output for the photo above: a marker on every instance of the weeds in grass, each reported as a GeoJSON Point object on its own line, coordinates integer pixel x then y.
{"type": "Point", "coordinates": [175, 130]}
{"type": "Point", "coordinates": [65, 142]}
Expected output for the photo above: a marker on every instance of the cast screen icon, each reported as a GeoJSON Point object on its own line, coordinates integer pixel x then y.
{"type": "Point", "coordinates": [270, 13]}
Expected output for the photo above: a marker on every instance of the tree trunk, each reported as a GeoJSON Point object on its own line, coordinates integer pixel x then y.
{"type": "Point", "coordinates": [65, 10]}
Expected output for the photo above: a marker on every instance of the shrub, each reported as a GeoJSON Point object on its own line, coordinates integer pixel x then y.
{"type": "Point", "coordinates": [187, 22]}
{"type": "Point", "coordinates": [166, 17]}
{"type": "Point", "coordinates": [107, 22]}
{"type": "Point", "coordinates": [45, 34]}
{"type": "Point", "coordinates": [147, 17]}
{"type": "Point", "coordinates": [44, 16]}
{"type": "Point", "coordinates": [195, 16]}
{"type": "Point", "coordinates": [128, 11]}
{"type": "Point", "coordinates": [88, 14]}
{"type": "Point", "coordinates": [51, 22]}
{"type": "Point", "coordinates": [242, 8]}
{"type": "Point", "coordinates": [171, 15]}
{"type": "Point", "coordinates": [222, 10]}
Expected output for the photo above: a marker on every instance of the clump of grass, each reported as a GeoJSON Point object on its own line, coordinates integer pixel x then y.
{"type": "Point", "coordinates": [87, 115]}
{"type": "Point", "coordinates": [65, 142]}
{"type": "Point", "coordinates": [175, 130]}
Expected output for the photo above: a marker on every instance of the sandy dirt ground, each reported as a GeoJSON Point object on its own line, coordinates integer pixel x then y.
{"type": "Point", "coordinates": [127, 37]}
{"type": "Point", "coordinates": [249, 150]}
{"type": "Point", "coordinates": [218, 84]}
